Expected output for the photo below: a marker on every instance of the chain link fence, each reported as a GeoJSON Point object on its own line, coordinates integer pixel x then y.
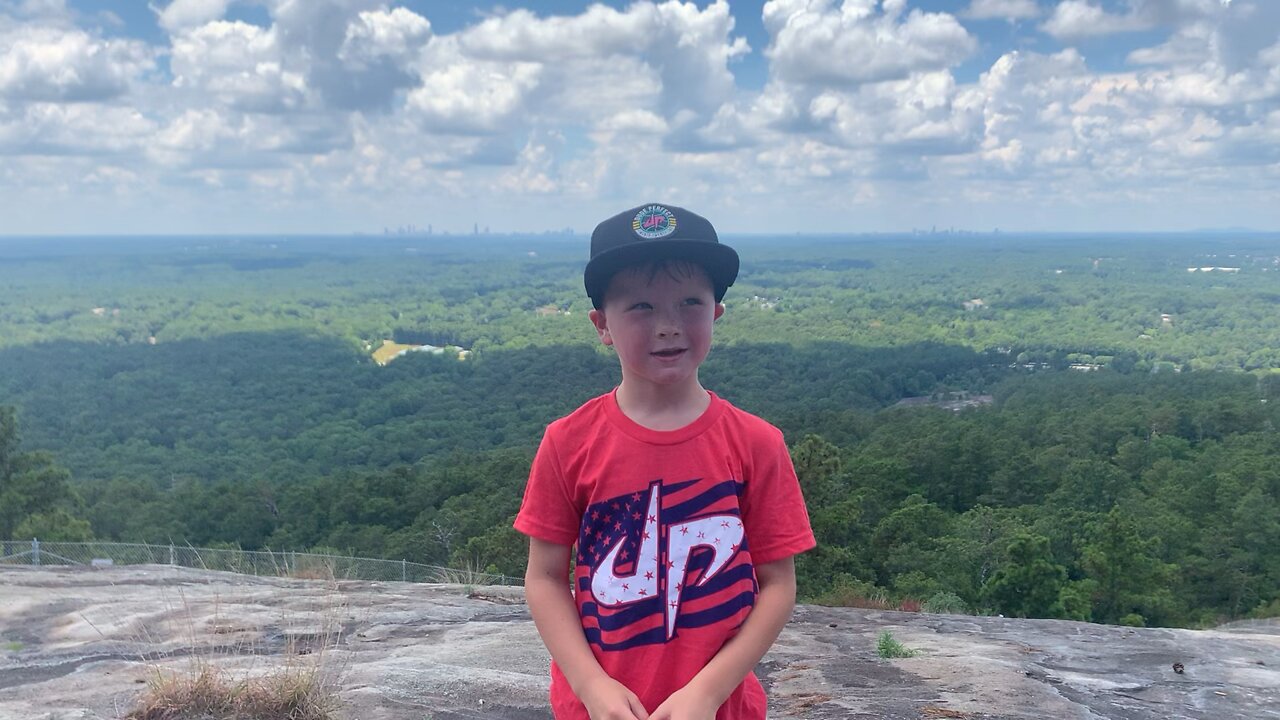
{"type": "Point", "coordinates": [247, 562]}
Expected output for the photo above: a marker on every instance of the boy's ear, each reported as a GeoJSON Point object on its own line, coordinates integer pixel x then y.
{"type": "Point", "coordinates": [602, 326]}
{"type": "Point", "coordinates": [719, 311]}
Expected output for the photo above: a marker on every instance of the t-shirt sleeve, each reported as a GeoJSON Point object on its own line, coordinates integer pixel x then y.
{"type": "Point", "coordinates": [548, 511]}
{"type": "Point", "coordinates": [774, 514]}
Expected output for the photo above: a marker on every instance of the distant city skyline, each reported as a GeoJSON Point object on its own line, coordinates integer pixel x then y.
{"type": "Point", "coordinates": [811, 116]}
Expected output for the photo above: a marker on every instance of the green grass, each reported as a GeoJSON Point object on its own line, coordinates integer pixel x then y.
{"type": "Point", "coordinates": [889, 648]}
{"type": "Point", "coordinates": [12, 646]}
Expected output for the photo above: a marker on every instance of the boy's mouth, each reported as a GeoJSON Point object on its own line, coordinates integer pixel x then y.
{"type": "Point", "coordinates": [669, 352]}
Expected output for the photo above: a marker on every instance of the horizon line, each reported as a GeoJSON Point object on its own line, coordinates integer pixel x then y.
{"type": "Point", "coordinates": [561, 233]}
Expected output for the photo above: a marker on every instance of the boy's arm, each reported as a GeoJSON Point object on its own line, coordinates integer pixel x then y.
{"type": "Point", "coordinates": [708, 690]}
{"type": "Point", "coordinates": [546, 586]}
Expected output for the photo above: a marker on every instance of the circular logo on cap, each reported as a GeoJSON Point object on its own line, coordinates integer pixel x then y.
{"type": "Point", "coordinates": [653, 222]}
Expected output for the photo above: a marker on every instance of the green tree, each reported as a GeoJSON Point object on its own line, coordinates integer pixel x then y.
{"type": "Point", "coordinates": [30, 482]}
{"type": "Point", "coordinates": [1130, 575]}
{"type": "Point", "coordinates": [55, 526]}
{"type": "Point", "coordinates": [1029, 584]}
{"type": "Point", "coordinates": [907, 539]}
{"type": "Point", "coordinates": [969, 555]}
{"type": "Point", "coordinates": [817, 464]}
{"type": "Point", "coordinates": [500, 549]}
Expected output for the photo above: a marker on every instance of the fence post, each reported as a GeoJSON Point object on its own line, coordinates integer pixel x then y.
{"type": "Point", "coordinates": [35, 551]}
{"type": "Point", "coordinates": [404, 571]}
{"type": "Point", "coordinates": [171, 558]}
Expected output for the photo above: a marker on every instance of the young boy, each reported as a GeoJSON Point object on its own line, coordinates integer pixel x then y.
{"type": "Point", "coordinates": [680, 512]}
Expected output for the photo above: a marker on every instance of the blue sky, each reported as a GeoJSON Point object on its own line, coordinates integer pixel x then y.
{"type": "Point", "coordinates": [284, 116]}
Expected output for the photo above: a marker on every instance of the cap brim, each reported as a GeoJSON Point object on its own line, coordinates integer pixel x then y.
{"type": "Point", "coordinates": [720, 262]}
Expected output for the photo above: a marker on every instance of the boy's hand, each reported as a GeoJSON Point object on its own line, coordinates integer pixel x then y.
{"type": "Point", "coordinates": [608, 699]}
{"type": "Point", "coordinates": [686, 704]}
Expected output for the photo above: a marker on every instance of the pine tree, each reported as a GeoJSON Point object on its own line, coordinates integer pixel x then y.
{"type": "Point", "coordinates": [30, 483]}
{"type": "Point", "coordinates": [1030, 583]}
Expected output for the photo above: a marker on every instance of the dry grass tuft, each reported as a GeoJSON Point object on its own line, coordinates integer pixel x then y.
{"type": "Point", "coordinates": [862, 596]}
{"type": "Point", "coordinates": [909, 605]}
{"type": "Point", "coordinates": [865, 596]}
{"type": "Point", "coordinates": [296, 681]}
{"type": "Point", "coordinates": [312, 572]}
{"type": "Point", "coordinates": [468, 573]}
{"type": "Point", "coordinates": [212, 694]}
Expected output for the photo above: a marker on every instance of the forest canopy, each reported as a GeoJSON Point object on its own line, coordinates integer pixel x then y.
{"type": "Point", "coordinates": [1088, 432]}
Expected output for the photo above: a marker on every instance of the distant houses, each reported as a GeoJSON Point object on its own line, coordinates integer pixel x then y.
{"type": "Point", "coordinates": [390, 350]}
{"type": "Point", "coordinates": [551, 311]}
{"type": "Point", "coordinates": [954, 401]}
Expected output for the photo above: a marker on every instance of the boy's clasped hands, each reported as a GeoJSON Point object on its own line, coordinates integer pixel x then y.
{"type": "Point", "coordinates": [608, 699]}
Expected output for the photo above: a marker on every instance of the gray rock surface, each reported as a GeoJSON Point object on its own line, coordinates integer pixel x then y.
{"type": "Point", "coordinates": [81, 644]}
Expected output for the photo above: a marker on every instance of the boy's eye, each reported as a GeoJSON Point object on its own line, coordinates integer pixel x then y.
{"type": "Point", "coordinates": [693, 301]}
{"type": "Point", "coordinates": [641, 306]}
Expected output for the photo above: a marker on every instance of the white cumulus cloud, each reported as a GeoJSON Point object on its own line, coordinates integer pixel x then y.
{"type": "Point", "coordinates": [467, 97]}
{"type": "Point", "coordinates": [356, 55]}
{"type": "Point", "coordinates": [52, 64]}
{"type": "Point", "coordinates": [182, 14]}
{"type": "Point", "coordinates": [377, 35]}
{"type": "Point", "coordinates": [820, 42]}
{"type": "Point", "coordinates": [70, 129]}
{"type": "Point", "coordinates": [1074, 19]}
{"type": "Point", "coordinates": [240, 65]}
{"type": "Point", "coordinates": [924, 114]}
{"type": "Point", "coordinates": [670, 58]}
{"type": "Point", "coordinates": [1082, 18]}
{"type": "Point", "coordinates": [1002, 9]}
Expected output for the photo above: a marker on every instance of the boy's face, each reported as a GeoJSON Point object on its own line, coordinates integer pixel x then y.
{"type": "Point", "coordinates": [660, 323]}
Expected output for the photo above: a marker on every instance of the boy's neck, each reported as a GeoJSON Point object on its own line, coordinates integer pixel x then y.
{"type": "Point", "coordinates": [662, 407]}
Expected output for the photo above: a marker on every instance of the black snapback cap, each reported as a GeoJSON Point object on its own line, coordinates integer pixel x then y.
{"type": "Point", "coordinates": [654, 232]}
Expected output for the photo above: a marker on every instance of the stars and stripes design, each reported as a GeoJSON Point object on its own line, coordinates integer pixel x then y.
{"type": "Point", "coordinates": [652, 563]}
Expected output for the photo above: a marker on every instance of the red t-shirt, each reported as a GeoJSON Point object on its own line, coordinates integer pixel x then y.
{"type": "Point", "coordinates": [666, 527]}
